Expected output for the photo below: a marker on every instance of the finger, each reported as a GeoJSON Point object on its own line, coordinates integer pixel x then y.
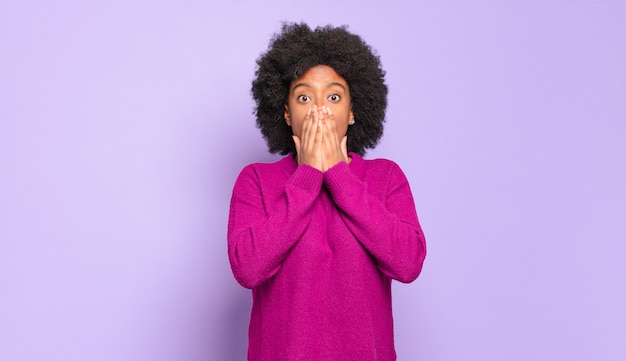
{"type": "Point", "coordinates": [328, 149]}
{"type": "Point", "coordinates": [296, 141]}
{"type": "Point", "coordinates": [344, 146]}
{"type": "Point", "coordinates": [306, 123]}
{"type": "Point", "coordinates": [331, 136]}
{"type": "Point", "coordinates": [332, 125]}
{"type": "Point", "coordinates": [308, 135]}
{"type": "Point", "coordinates": [305, 142]}
{"type": "Point", "coordinates": [330, 117]}
{"type": "Point", "coordinates": [318, 146]}
{"type": "Point", "coordinates": [318, 132]}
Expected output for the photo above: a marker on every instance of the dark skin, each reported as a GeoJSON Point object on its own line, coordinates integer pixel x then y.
{"type": "Point", "coordinates": [319, 111]}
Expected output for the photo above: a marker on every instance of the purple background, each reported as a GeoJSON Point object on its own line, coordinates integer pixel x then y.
{"type": "Point", "coordinates": [124, 125]}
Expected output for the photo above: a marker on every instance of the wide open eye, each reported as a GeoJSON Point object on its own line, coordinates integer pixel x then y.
{"type": "Point", "coordinates": [303, 98]}
{"type": "Point", "coordinates": [334, 98]}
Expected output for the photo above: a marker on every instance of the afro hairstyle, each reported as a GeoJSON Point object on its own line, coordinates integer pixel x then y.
{"type": "Point", "coordinates": [296, 49]}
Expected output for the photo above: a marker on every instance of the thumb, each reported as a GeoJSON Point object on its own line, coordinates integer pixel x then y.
{"type": "Point", "coordinates": [296, 141]}
{"type": "Point", "coordinates": [344, 146]}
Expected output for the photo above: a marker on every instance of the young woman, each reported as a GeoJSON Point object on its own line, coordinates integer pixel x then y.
{"type": "Point", "coordinates": [319, 235]}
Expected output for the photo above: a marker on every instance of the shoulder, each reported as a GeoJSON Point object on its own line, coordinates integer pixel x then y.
{"type": "Point", "coordinates": [256, 173]}
{"type": "Point", "coordinates": [379, 172]}
{"type": "Point", "coordinates": [377, 165]}
{"type": "Point", "coordinates": [285, 163]}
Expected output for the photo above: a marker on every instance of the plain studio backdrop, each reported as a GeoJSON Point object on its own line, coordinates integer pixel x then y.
{"type": "Point", "coordinates": [125, 123]}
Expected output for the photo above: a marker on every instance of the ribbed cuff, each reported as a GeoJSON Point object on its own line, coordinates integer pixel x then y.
{"type": "Point", "coordinates": [339, 176]}
{"type": "Point", "coordinates": [307, 178]}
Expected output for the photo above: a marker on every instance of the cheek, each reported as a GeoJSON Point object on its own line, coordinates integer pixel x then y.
{"type": "Point", "coordinates": [342, 129]}
{"type": "Point", "coordinates": [296, 117]}
{"type": "Point", "coordinates": [296, 124]}
{"type": "Point", "coordinates": [296, 128]}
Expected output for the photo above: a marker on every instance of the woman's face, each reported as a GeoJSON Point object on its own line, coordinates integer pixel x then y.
{"type": "Point", "coordinates": [321, 86]}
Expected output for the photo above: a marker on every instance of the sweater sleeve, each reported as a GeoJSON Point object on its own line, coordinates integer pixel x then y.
{"type": "Point", "coordinates": [388, 229]}
{"type": "Point", "coordinates": [261, 231]}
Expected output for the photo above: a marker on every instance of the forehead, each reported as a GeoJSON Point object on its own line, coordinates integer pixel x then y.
{"type": "Point", "coordinates": [320, 76]}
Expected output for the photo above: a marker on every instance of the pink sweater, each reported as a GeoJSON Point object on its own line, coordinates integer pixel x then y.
{"type": "Point", "coordinates": [319, 251]}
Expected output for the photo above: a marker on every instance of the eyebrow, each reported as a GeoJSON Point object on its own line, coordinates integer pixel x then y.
{"type": "Point", "coordinates": [327, 86]}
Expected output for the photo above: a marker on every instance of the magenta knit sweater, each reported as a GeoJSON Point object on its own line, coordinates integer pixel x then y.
{"type": "Point", "coordinates": [319, 251]}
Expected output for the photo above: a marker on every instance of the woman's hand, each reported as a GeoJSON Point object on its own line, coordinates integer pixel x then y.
{"type": "Point", "coordinates": [309, 148]}
{"type": "Point", "coordinates": [321, 145]}
{"type": "Point", "coordinates": [334, 145]}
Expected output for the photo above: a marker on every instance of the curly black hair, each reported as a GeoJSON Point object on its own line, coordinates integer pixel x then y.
{"type": "Point", "coordinates": [296, 49]}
